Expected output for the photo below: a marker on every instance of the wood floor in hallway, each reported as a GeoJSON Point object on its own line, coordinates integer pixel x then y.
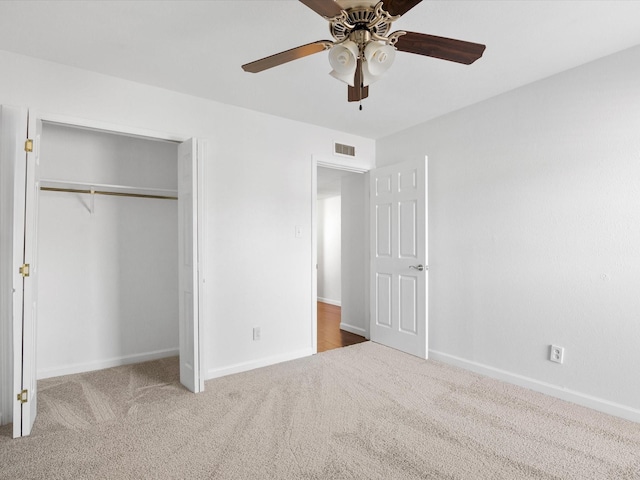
{"type": "Point", "coordinates": [329, 334]}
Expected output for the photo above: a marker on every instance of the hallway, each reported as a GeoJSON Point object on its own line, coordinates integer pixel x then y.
{"type": "Point", "coordinates": [329, 334]}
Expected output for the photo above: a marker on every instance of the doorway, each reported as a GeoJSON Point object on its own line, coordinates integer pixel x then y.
{"type": "Point", "coordinates": [341, 258]}
{"type": "Point", "coordinates": [395, 251]}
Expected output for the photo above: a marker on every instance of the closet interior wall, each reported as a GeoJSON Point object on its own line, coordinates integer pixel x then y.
{"type": "Point", "coordinates": [108, 265]}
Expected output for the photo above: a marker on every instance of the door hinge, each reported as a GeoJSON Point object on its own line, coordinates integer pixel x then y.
{"type": "Point", "coordinates": [24, 270]}
{"type": "Point", "coordinates": [28, 145]}
{"type": "Point", "coordinates": [23, 396]}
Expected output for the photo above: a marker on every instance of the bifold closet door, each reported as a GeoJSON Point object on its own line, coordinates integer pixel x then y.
{"type": "Point", "coordinates": [25, 301]}
{"type": "Point", "coordinates": [189, 324]}
{"type": "Point", "coordinates": [13, 132]}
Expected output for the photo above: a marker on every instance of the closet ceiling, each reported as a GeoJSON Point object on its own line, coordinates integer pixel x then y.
{"type": "Point", "coordinates": [198, 47]}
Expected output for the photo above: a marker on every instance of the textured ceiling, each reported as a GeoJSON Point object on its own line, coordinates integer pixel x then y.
{"type": "Point", "coordinates": [198, 47]}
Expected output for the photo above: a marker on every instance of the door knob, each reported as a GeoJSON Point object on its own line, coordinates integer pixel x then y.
{"type": "Point", "coordinates": [418, 267]}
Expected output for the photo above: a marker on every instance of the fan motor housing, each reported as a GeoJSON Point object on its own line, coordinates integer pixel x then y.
{"type": "Point", "coordinates": [341, 28]}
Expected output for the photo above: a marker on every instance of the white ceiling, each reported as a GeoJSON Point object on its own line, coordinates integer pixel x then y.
{"type": "Point", "coordinates": [197, 47]}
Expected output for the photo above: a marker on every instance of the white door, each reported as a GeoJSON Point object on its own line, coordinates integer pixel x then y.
{"type": "Point", "coordinates": [13, 167]}
{"type": "Point", "coordinates": [189, 321]}
{"type": "Point", "coordinates": [399, 263]}
{"type": "Point", "coordinates": [26, 190]}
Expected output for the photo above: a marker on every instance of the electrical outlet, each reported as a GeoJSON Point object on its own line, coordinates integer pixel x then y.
{"type": "Point", "coordinates": [256, 333]}
{"type": "Point", "coordinates": [556, 354]}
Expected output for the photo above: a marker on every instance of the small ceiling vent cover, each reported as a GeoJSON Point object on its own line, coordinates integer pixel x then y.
{"type": "Point", "coordinates": [342, 149]}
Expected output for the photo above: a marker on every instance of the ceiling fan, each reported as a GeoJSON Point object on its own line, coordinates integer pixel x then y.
{"type": "Point", "coordinates": [363, 49]}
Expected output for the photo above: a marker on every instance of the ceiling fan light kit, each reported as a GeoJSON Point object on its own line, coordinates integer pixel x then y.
{"type": "Point", "coordinates": [378, 58]}
{"type": "Point", "coordinates": [343, 58]}
{"type": "Point", "coordinates": [362, 50]}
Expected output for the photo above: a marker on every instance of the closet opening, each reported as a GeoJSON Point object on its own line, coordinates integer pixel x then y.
{"type": "Point", "coordinates": [107, 250]}
{"type": "Point", "coordinates": [107, 236]}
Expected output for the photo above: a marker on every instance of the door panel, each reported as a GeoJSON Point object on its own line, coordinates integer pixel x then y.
{"type": "Point", "coordinates": [407, 231]}
{"type": "Point", "coordinates": [383, 232]}
{"type": "Point", "coordinates": [408, 300]}
{"type": "Point", "coordinates": [189, 321]}
{"type": "Point", "coordinates": [399, 257]}
{"type": "Point", "coordinates": [383, 300]}
{"type": "Point", "coordinates": [408, 180]}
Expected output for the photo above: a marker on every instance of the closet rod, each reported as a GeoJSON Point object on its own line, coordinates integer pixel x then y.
{"type": "Point", "coordinates": [101, 192]}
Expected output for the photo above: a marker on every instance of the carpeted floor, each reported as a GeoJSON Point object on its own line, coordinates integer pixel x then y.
{"type": "Point", "coordinates": [361, 412]}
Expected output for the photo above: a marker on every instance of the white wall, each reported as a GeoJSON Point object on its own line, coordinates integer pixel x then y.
{"type": "Point", "coordinates": [83, 155]}
{"type": "Point", "coordinates": [329, 251]}
{"type": "Point", "coordinates": [108, 280]}
{"type": "Point", "coordinates": [355, 255]}
{"type": "Point", "coordinates": [257, 189]}
{"type": "Point", "coordinates": [534, 202]}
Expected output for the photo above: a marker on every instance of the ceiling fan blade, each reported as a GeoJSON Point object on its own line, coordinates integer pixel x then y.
{"type": "Point", "coordinates": [399, 7]}
{"type": "Point", "coordinates": [326, 8]}
{"type": "Point", "coordinates": [358, 91]}
{"type": "Point", "coordinates": [287, 56]}
{"type": "Point", "coordinates": [440, 47]}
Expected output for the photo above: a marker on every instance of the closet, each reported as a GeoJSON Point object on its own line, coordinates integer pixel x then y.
{"type": "Point", "coordinates": [107, 250]}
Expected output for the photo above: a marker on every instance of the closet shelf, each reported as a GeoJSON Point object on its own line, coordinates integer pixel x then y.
{"type": "Point", "coordinates": [105, 189]}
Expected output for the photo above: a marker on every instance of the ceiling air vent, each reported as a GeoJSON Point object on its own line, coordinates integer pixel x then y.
{"type": "Point", "coordinates": [341, 149]}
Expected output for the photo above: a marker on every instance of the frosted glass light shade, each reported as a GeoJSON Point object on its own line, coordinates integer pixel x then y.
{"type": "Point", "coordinates": [343, 58]}
{"type": "Point", "coordinates": [378, 58]}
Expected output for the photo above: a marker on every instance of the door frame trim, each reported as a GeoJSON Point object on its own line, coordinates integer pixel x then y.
{"type": "Point", "coordinates": [107, 127]}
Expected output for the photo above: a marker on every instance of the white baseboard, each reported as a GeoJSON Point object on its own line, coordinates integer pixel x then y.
{"type": "Point", "coordinates": [350, 328]}
{"type": "Point", "coordinates": [337, 303]}
{"type": "Point", "coordinates": [262, 362]}
{"type": "Point", "coordinates": [107, 363]}
{"type": "Point", "coordinates": [579, 398]}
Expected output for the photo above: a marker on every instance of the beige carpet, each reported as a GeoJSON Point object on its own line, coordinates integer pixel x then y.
{"type": "Point", "coordinates": [364, 411]}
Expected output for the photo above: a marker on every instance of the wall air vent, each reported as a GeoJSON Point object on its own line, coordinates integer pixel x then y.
{"type": "Point", "coordinates": [347, 150]}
